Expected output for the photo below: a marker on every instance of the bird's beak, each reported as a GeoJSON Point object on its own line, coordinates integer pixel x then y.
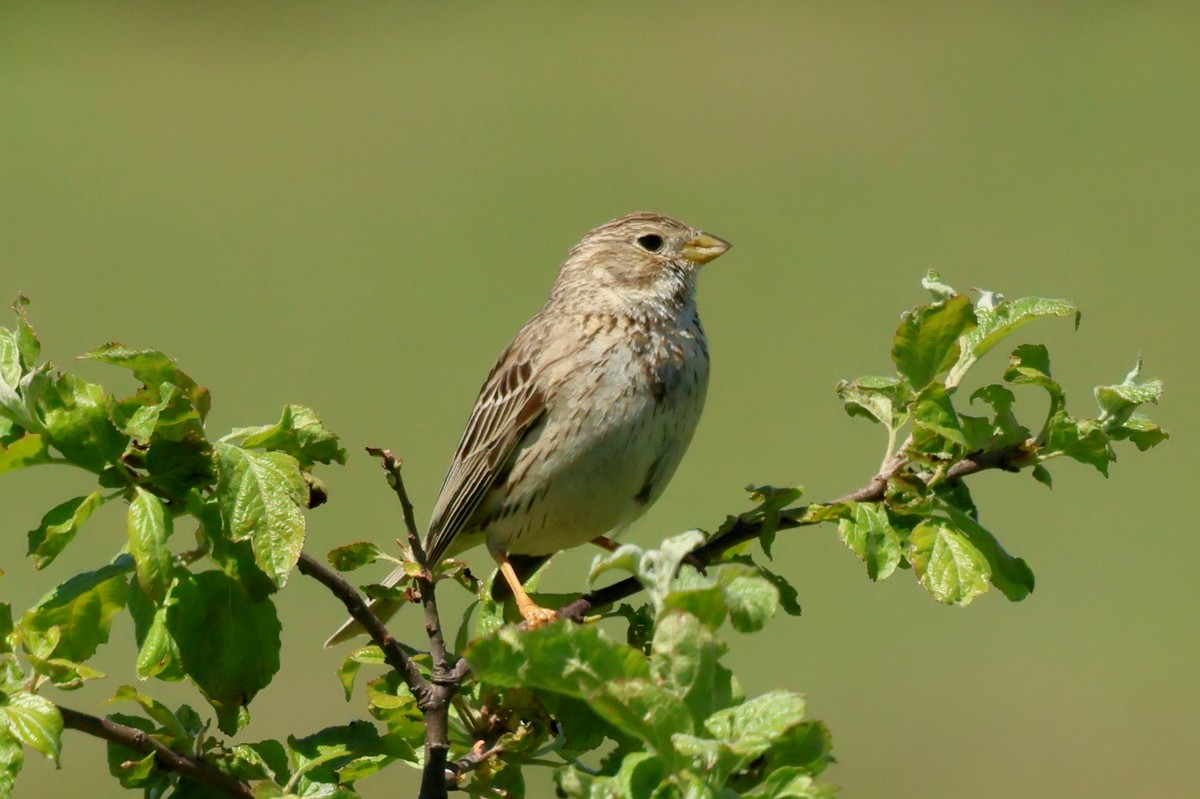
{"type": "Point", "coordinates": [704, 248]}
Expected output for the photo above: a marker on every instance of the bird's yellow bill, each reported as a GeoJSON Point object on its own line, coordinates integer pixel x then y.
{"type": "Point", "coordinates": [704, 248]}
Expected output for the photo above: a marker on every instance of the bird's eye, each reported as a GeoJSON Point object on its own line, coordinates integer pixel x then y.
{"type": "Point", "coordinates": [651, 242]}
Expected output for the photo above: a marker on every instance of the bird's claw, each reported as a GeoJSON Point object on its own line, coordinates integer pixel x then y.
{"type": "Point", "coordinates": [535, 616]}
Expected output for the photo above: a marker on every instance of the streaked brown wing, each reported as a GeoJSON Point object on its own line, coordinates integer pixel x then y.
{"type": "Point", "coordinates": [508, 405]}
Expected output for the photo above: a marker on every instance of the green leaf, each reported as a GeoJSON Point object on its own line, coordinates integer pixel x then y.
{"type": "Point", "coordinates": [947, 564]}
{"type": "Point", "coordinates": [353, 556]}
{"type": "Point", "coordinates": [337, 756]}
{"type": "Point", "coordinates": [350, 666]}
{"type": "Point", "coordinates": [228, 642]}
{"type": "Point", "coordinates": [6, 628]}
{"type": "Point", "coordinates": [11, 370]}
{"type": "Point", "coordinates": [807, 747]}
{"type": "Point", "coordinates": [1011, 575]}
{"type": "Point", "coordinates": [641, 775]}
{"type": "Point", "coordinates": [58, 528]}
{"type": "Point", "coordinates": [932, 282]}
{"type": "Point", "coordinates": [21, 384]}
{"type": "Point", "coordinates": [1029, 364]}
{"type": "Point", "coordinates": [265, 760]}
{"type": "Point", "coordinates": [154, 369]}
{"type": "Point", "coordinates": [261, 495]}
{"type": "Point", "coordinates": [28, 450]}
{"type": "Point", "coordinates": [1081, 439]}
{"type": "Point", "coordinates": [771, 502]}
{"type": "Point", "coordinates": [155, 710]}
{"type": "Point", "coordinates": [65, 674]}
{"type": "Point", "coordinates": [236, 558]}
{"type": "Point", "coordinates": [935, 421]}
{"type": "Point", "coordinates": [564, 658]}
{"type": "Point", "coordinates": [870, 535]}
{"type": "Point", "coordinates": [743, 734]}
{"type": "Point", "coordinates": [75, 415]}
{"type": "Point", "coordinates": [926, 341]}
{"type": "Point", "coordinates": [880, 399]}
{"type": "Point", "coordinates": [1142, 432]}
{"type": "Point", "coordinates": [299, 433]}
{"type": "Point", "coordinates": [758, 721]}
{"type": "Point", "coordinates": [82, 609]}
{"type": "Point", "coordinates": [139, 416]}
{"type": "Point", "coordinates": [790, 782]}
{"type": "Point", "coordinates": [683, 660]}
{"type": "Point", "coordinates": [134, 769]}
{"type": "Point", "coordinates": [997, 322]}
{"type": "Point", "coordinates": [1117, 403]}
{"type": "Point", "coordinates": [751, 599]}
{"type": "Point", "coordinates": [789, 600]}
{"type": "Point", "coordinates": [12, 757]}
{"type": "Point", "coordinates": [150, 525]}
{"type": "Point", "coordinates": [641, 708]}
{"type": "Point", "coordinates": [389, 700]}
{"type": "Point", "coordinates": [654, 568]}
{"type": "Point", "coordinates": [1042, 475]}
{"type": "Point", "coordinates": [158, 656]}
{"type": "Point", "coordinates": [1003, 430]}
{"type": "Point", "coordinates": [28, 346]}
{"type": "Point", "coordinates": [705, 600]}
{"type": "Point", "coordinates": [34, 720]}
{"type": "Point", "coordinates": [178, 466]}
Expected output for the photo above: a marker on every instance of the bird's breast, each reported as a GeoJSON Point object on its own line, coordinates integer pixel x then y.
{"type": "Point", "coordinates": [615, 429]}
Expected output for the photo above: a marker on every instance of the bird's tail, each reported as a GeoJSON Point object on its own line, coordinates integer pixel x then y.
{"type": "Point", "coordinates": [383, 610]}
{"type": "Point", "coordinates": [523, 565]}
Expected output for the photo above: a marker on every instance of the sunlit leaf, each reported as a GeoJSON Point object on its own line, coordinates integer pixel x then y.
{"type": "Point", "coordinates": [75, 415]}
{"type": "Point", "coordinates": [59, 526]}
{"type": "Point", "coordinates": [261, 494]}
{"type": "Point", "coordinates": [947, 564]}
{"type": "Point", "coordinates": [34, 720]}
{"type": "Point", "coordinates": [149, 526]}
{"type": "Point", "coordinates": [82, 609]}
{"type": "Point", "coordinates": [926, 341]}
{"type": "Point", "coordinates": [299, 433]}
{"type": "Point", "coordinates": [28, 450]}
{"type": "Point", "coordinates": [353, 556]}
{"type": "Point", "coordinates": [154, 369]}
{"type": "Point", "coordinates": [870, 535]}
{"type": "Point", "coordinates": [228, 642]}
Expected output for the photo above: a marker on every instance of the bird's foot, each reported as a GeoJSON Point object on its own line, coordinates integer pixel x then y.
{"type": "Point", "coordinates": [535, 615]}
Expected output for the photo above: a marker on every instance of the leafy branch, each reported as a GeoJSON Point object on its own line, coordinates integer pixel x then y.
{"type": "Point", "coordinates": [665, 711]}
{"type": "Point", "coordinates": [164, 757]}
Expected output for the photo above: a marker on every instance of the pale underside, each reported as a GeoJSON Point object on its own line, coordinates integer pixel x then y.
{"type": "Point", "coordinates": [546, 471]}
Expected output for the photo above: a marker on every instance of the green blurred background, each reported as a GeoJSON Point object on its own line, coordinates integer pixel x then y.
{"type": "Point", "coordinates": [354, 206]}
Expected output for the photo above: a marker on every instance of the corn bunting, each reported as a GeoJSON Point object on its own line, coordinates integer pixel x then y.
{"type": "Point", "coordinates": [583, 419]}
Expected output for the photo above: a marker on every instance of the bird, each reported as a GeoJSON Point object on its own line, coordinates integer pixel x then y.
{"type": "Point", "coordinates": [587, 412]}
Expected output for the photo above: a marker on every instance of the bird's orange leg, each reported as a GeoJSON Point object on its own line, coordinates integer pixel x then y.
{"type": "Point", "coordinates": [605, 543]}
{"type": "Point", "coordinates": [534, 614]}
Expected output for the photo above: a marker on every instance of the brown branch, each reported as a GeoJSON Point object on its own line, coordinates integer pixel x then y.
{"type": "Point", "coordinates": [433, 627]}
{"type": "Point", "coordinates": [393, 651]}
{"type": "Point", "coordinates": [1011, 458]}
{"type": "Point", "coordinates": [438, 775]}
{"type": "Point", "coordinates": [472, 760]}
{"type": "Point", "coordinates": [168, 759]}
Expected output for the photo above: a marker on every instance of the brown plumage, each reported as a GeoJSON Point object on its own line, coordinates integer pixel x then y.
{"type": "Point", "coordinates": [588, 411]}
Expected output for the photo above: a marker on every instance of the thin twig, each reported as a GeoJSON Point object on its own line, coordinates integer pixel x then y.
{"type": "Point", "coordinates": [472, 760]}
{"type": "Point", "coordinates": [433, 628]}
{"type": "Point", "coordinates": [437, 774]}
{"type": "Point", "coordinates": [164, 757]}
{"type": "Point", "coordinates": [1011, 458]}
{"type": "Point", "coordinates": [393, 651]}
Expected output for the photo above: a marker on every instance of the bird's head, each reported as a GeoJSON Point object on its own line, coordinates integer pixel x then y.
{"type": "Point", "coordinates": [642, 260]}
